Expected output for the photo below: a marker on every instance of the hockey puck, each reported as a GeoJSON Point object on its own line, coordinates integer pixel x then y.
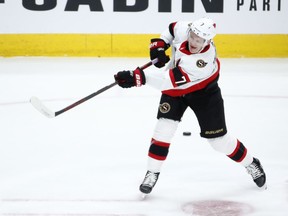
{"type": "Point", "coordinates": [186, 133]}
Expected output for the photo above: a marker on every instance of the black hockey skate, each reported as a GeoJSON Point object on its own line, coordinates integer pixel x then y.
{"type": "Point", "coordinates": [149, 182]}
{"type": "Point", "coordinates": [255, 169]}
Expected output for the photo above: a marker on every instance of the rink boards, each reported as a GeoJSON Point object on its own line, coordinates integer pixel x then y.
{"type": "Point", "coordinates": [133, 45]}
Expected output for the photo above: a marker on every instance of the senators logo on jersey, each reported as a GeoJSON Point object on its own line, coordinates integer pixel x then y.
{"type": "Point", "coordinates": [201, 63]}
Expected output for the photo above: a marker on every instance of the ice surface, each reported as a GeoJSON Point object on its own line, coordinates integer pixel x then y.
{"type": "Point", "coordinates": [90, 160]}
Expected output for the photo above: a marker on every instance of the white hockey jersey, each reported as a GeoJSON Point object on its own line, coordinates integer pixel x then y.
{"type": "Point", "coordinates": [195, 71]}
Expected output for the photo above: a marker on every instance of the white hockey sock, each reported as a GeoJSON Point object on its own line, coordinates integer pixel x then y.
{"type": "Point", "coordinates": [233, 148]}
{"type": "Point", "coordinates": [154, 165]}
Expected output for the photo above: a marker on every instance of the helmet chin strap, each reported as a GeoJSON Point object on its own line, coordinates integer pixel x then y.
{"type": "Point", "coordinates": [206, 42]}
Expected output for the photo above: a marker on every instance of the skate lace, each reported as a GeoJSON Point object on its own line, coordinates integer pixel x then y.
{"type": "Point", "coordinates": [150, 179]}
{"type": "Point", "coordinates": [254, 170]}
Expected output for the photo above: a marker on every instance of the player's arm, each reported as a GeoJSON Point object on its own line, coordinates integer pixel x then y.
{"type": "Point", "coordinates": [158, 46]}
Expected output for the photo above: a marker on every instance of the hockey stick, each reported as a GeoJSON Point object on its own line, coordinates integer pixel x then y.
{"type": "Point", "coordinates": [37, 103]}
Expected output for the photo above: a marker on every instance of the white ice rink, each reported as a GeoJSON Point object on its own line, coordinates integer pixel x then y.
{"type": "Point", "coordinates": [90, 160]}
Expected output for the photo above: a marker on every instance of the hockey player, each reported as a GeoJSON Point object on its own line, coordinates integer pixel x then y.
{"type": "Point", "coordinates": [190, 81]}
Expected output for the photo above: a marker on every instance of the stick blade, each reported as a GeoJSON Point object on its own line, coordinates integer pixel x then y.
{"type": "Point", "coordinates": [37, 104]}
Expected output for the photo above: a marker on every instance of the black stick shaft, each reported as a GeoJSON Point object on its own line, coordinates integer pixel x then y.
{"type": "Point", "coordinates": [99, 91]}
{"type": "Point", "coordinates": [85, 99]}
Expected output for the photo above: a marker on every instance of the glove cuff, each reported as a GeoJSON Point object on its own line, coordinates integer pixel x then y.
{"type": "Point", "coordinates": [158, 43]}
{"type": "Point", "coordinates": [139, 77]}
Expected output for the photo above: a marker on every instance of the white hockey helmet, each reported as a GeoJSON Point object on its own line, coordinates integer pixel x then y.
{"type": "Point", "coordinates": [204, 28]}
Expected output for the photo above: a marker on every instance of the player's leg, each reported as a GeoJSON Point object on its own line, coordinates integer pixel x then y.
{"type": "Point", "coordinates": [210, 114]}
{"type": "Point", "coordinates": [236, 151]}
{"type": "Point", "coordinates": [158, 151]}
{"type": "Point", "coordinates": [169, 115]}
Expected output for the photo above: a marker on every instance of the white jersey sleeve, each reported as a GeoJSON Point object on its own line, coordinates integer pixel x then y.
{"type": "Point", "coordinates": [167, 37]}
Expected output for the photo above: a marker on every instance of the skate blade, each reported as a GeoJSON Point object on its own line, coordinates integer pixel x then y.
{"type": "Point", "coordinates": [143, 196]}
{"type": "Point", "coordinates": [264, 187]}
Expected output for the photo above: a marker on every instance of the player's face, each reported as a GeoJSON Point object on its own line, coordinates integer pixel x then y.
{"type": "Point", "coordinates": [195, 43]}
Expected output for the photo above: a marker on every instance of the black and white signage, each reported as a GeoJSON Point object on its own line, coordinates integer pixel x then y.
{"type": "Point", "coordinates": [140, 16]}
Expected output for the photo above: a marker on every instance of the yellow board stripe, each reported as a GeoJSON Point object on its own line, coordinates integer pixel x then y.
{"type": "Point", "coordinates": [254, 45]}
{"type": "Point", "coordinates": [133, 45]}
